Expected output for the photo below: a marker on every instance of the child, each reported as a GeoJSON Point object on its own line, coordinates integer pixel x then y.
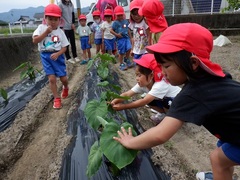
{"type": "Point", "coordinates": [97, 30]}
{"type": "Point", "coordinates": [109, 38]}
{"type": "Point", "coordinates": [85, 38]}
{"type": "Point", "coordinates": [52, 43]}
{"type": "Point", "coordinates": [209, 97]}
{"type": "Point", "coordinates": [149, 80]}
{"type": "Point", "coordinates": [68, 17]}
{"type": "Point", "coordinates": [152, 10]}
{"type": "Point", "coordinates": [120, 30]}
{"type": "Point", "coordinates": [141, 33]}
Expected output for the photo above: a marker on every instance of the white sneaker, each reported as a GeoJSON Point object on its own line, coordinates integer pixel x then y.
{"type": "Point", "coordinates": [204, 175]}
{"type": "Point", "coordinates": [71, 61]}
{"type": "Point", "coordinates": [77, 59]}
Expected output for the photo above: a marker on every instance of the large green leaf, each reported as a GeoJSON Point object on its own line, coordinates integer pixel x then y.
{"type": "Point", "coordinates": [93, 109]}
{"type": "Point", "coordinates": [113, 149]}
{"type": "Point", "coordinates": [103, 71]}
{"type": "Point", "coordinates": [94, 159]}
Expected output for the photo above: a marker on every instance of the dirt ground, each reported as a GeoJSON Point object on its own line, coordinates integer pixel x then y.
{"type": "Point", "coordinates": [32, 148]}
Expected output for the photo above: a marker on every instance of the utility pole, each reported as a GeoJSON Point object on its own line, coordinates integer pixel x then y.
{"type": "Point", "coordinates": [78, 7]}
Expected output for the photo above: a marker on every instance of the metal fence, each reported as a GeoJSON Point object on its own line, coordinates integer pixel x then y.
{"type": "Point", "coordinates": [183, 7]}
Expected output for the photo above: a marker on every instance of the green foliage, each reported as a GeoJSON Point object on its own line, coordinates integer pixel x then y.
{"type": "Point", "coordinates": [99, 116]}
{"type": "Point", "coordinates": [4, 94]}
{"type": "Point", "coordinates": [28, 70]}
{"type": "Point", "coordinates": [232, 5]}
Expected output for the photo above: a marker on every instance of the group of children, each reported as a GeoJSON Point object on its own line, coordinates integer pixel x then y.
{"type": "Point", "coordinates": [209, 96]}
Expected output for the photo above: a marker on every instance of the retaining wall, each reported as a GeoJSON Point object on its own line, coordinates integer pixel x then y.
{"type": "Point", "coordinates": [14, 51]}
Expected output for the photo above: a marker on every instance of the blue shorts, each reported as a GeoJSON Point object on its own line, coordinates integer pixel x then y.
{"type": "Point", "coordinates": [123, 45]}
{"type": "Point", "coordinates": [109, 44]}
{"type": "Point", "coordinates": [230, 150]}
{"type": "Point", "coordinates": [137, 56]}
{"type": "Point", "coordinates": [98, 41]}
{"type": "Point", "coordinates": [162, 103]}
{"type": "Point", "coordinates": [84, 42]}
{"type": "Point", "coordinates": [51, 67]}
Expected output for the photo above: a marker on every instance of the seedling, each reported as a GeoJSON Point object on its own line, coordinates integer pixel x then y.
{"type": "Point", "coordinates": [4, 94]}
{"type": "Point", "coordinates": [99, 115]}
{"type": "Point", "coordinates": [28, 70]}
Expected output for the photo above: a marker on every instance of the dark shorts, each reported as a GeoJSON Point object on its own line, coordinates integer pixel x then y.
{"type": "Point", "coordinates": [98, 41]}
{"type": "Point", "coordinates": [137, 56]}
{"type": "Point", "coordinates": [162, 103]}
{"type": "Point", "coordinates": [109, 44]}
{"type": "Point", "coordinates": [230, 150]}
{"type": "Point", "coordinates": [123, 45]}
{"type": "Point", "coordinates": [51, 67]}
{"type": "Point", "coordinates": [84, 43]}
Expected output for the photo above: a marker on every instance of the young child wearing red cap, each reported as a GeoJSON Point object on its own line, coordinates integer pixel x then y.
{"type": "Point", "coordinates": [159, 93]}
{"type": "Point", "coordinates": [52, 43]}
{"type": "Point", "coordinates": [122, 33]}
{"type": "Point", "coordinates": [141, 33]}
{"type": "Point", "coordinates": [209, 98]}
{"type": "Point", "coordinates": [152, 10]}
{"type": "Point", "coordinates": [96, 29]}
{"type": "Point", "coordinates": [107, 36]}
{"type": "Point", "coordinates": [84, 33]}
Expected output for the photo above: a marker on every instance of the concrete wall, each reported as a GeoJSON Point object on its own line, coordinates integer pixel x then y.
{"type": "Point", "coordinates": [225, 24]}
{"type": "Point", "coordinates": [14, 51]}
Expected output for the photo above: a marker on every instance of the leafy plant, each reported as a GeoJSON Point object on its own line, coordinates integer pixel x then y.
{"type": "Point", "coordinates": [99, 116]}
{"type": "Point", "coordinates": [4, 94]}
{"type": "Point", "coordinates": [28, 70]}
{"type": "Point", "coordinates": [232, 5]}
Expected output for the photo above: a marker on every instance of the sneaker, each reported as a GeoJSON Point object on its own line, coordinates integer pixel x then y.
{"type": "Point", "coordinates": [123, 67]}
{"type": "Point", "coordinates": [64, 93]}
{"type": "Point", "coordinates": [83, 62]}
{"type": "Point", "coordinates": [57, 103]}
{"type": "Point", "coordinates": [77, 59]}
{"type": "Point", "coordinates": [204, 176]}
{"type": "Point", "coordinates": [71, 61]}
{"type": "Point", "coordinates": [89, 59]}
{"type": "Point", "coordinates": [157, 118]}
{"type": "Point", "coordinates": [129, 63]}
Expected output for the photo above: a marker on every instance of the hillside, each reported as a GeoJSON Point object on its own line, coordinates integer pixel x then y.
{"type": "Point", "coordinates": [14, 14]}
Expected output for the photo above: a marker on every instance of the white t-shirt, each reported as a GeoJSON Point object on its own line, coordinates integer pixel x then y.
{"type": "Point", "coordinates": [54, 41]}
{"type": "Point", "coordinates": [106, 27]}
{"type": "Point", "coordinates": [159, 90]}
{"type": "Point", "coordinates": [139, 36]}
{"type": "Point", "coordinates": [83, 30]}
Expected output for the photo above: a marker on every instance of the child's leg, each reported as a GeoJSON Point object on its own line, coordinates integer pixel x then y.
{"type": "Point", "coordinates": [53, 85]}
{"type": "Point", "coordinates": [120, 58]}
{"type": "Point", "coordinates": [222, 165]}
{"type": "Point", "coordinates": [89, 53]}
{"type": "Point", "coordinates": [64, 81]}
{"type": "Point", "coordinates": [98, 47]}
{"type": "Point", "coordinates": [84, 54]}
{"type": "Point", "coordinates": [128, 54]}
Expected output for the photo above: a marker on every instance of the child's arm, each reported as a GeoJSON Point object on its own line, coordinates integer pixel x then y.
{"type": "Point", "coordinates": [135, 104]}
{"type": "Point", "coordinates": [37, 39]}
{"type": "Point", "coordinates": [149, 35]}
{"type": "Point", "coordinates": [115, 34]}
{"type": "Point", "coordinates": [129, 93]}
{"type": "Point", "coordinates": [54, 56]}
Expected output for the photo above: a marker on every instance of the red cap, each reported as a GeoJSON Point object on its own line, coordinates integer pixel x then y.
{"type": "Point", "coordinates": [108, 12]}
{"type": "Point", "coordinates": [149, 61]}
{"type": "Point", "coordinates": [191, 37]}
{"type": "Point", "coordinates": [82, 17]}
{"type": "Point", "coordinates": [153, 11]}
{"type": "Point", "coordinates": [136, 4]}
{"type": "Point", "coordinates": [96, 13]}
{"type": "Point", "coordinates": [119, 10]}
{"type": "Point", "coordinates": [53, 10]}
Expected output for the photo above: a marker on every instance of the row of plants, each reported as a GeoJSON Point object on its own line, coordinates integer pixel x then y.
{"type": "Point", "coordinates": [28, 71]}
{"type": "Point", "coordinates": [100, 116]}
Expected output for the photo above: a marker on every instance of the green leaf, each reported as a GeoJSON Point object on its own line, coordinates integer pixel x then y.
{"type": "Point", "coordinates": [102, 121]}
{"type": "Point", "coordinates": [113, 149]}
{"type": "Point", "coordinates": [114, 95]}
{"type": "Point", "coordinates": [103, 84]}
{"type": "Point", "coordinates": [21, 66]}
{"type": "Point", "coordinates": [116, 87]}
{"type": "Point", "coordinates": [94, 159]}
{"type": "Point", "coordinates": [93, 109]}
{"type": "Point", "coordinates": [103, 71]}
{"type": "Point", "coordinates": [23, 74]}
{"type": "Point", "coordinates": [89, 64]}
{"type": "Point", "coordinates": [4, 94]}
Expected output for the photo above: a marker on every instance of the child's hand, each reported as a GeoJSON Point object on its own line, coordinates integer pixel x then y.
{"type": "Point", "coordinates": [54, 56]}
{"type": "Point", "coordinates": [118, 107]}
{"type": "Point", "coordinates": [49, 29]}
{"type": "Point", "coordinates": [89, 42]}
{"type": "Point", "coordinates": [119, 35]}
{"type": "Point", "coordinates": [131, 53]}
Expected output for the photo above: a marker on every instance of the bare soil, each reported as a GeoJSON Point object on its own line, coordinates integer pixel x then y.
{"type": "Point", "coordinates": [32, 148]}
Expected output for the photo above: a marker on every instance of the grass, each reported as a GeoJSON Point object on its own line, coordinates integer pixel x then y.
{"type": "Point", "coordinates": [6, 31]}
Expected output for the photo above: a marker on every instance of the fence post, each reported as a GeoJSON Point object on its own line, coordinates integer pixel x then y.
{"type": "Point", "coordinates": [21, 26]}
{"type": "Point", "coordinates": [10, 29]}
{"type": "Point", "coordinates": [173, 8]}
{"type": "Point", "coordinates": [212, 6]}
